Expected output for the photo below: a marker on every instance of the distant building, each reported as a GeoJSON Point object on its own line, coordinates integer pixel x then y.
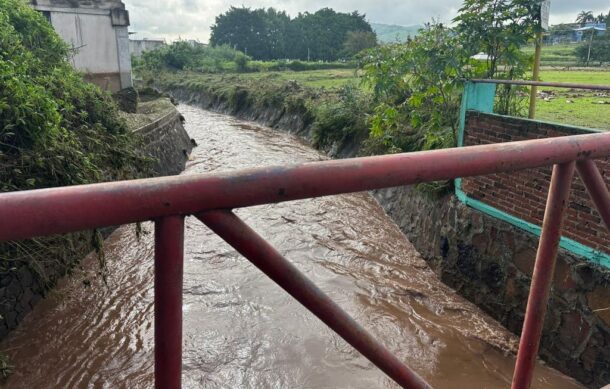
{"type": "Point", "coordinates": [573, 32]}
{"type": "Point", "coordinates": [195, 43]}
{"type": "Point", "coordinates": [97, 31]}
{"type": "Point", "coordinates": [599, 28]}
{"type": "Point", "coordinates": [139, 46]}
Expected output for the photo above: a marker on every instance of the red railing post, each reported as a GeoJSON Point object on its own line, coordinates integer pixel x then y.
{"type": "Point", "coordinates": [264, 256]}
{"type": "Point", "coordinates": [169, 251]}
{"type": "Point", "coordinates": [559, 193]}
{"type": "Point", "coordinates": [593, 180]}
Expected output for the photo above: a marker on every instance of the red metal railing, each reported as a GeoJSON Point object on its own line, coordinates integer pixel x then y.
{"type": "Point", "coordinates": [210, 197]}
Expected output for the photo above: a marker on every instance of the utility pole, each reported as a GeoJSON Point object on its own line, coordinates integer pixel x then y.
{"type": "Point", "coordinates": [590, 43]}
{"type": "Point", "coordinates": [536, 74]}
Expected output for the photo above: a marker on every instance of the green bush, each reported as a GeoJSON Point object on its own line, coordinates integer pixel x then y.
{"type": "Point", "coordinates": [600, 50]}
{"type": "Point", "coordinates": [219, 59]}
{"type": "Point", "coordinates": [344, 119]}
{"type": "Point", "coordinates": [183, 55]}
{"type": "Point", "coordinates": [55, 129]}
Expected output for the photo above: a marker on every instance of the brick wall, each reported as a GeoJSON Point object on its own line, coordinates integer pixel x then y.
{"type": "Point", "coordinates": [523, 194]}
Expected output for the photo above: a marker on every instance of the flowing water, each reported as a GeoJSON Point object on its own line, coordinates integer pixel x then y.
{"type": "Point", "coordinates": [243, 331]}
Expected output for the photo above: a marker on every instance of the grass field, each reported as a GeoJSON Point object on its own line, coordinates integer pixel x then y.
{"type": "Point", "coordinates": [580, 108]}
{"type": "Point", "coordinates": [334, 78]}
{"type": "Point", "coordinates": [577, 107]}
{"type": "Point", "coordinates": [556, 55]}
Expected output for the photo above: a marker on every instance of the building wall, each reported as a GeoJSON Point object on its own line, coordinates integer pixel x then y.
{"type": "Point", "coordinates": [523, 194]}
{"type": "Point", "coordinates": [139, 46]}
{"type": "Point", "coordinates": [99, 37]}
{"type": "Point", "coordinates": [93, 39]}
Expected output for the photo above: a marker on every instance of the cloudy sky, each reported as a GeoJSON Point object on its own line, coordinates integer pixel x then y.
{"type": "Point", "coordinates": [191, 19]}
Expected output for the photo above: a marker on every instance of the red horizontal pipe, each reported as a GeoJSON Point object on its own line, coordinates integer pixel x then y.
{"type": "Point", "coordinates": [544, 268]}
{"type": "Point", "coordinates": [542, 83]}
{"type": "Point", "coordinates": [169, 252]}
{"type": "Point", "coordinates": [596, 186]}
{"type": "Point", "coordinates": [59, 210]}
{"type": "Point", "coordinates": [256, 249]}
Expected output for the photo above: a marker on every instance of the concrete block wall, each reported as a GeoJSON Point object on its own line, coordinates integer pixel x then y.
{"type": "Point", "coordinates": [523, 194]}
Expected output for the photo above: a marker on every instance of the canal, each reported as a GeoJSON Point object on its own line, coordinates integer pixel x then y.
{"type": "Point", "coordinates": [243, 331]}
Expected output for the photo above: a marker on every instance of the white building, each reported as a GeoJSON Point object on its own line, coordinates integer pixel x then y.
{"type": "Point", "coordinates": [139, 46]}
{"type": "Point", "coordinates": [97, 30]}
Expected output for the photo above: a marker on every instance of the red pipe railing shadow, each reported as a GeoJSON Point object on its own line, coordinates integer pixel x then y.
{"type": "Point", "coordinates": [210, 197]}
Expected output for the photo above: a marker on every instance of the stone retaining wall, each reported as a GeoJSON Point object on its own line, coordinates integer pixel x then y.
{"type": "Point", "coordinates": [167, 141]}
{"type": "Point", "coordinates": [490, 262]}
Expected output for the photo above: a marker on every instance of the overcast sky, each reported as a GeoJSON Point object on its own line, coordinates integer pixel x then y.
{"type": "Point", "coordinates": [191, 19]}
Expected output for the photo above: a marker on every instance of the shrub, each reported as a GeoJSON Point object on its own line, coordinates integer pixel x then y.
{"type": "Point", "coordinates": [600, 50]}
{"type": "Point", "coordinates": [55, 129]}
{"type": "Point", "coordinates": [343, 119]}
{"type": "Point", "coordinates": [183, 55]}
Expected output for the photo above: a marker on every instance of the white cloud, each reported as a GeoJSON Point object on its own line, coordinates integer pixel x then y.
{"type": "Point", "coordinates": [192, 19]}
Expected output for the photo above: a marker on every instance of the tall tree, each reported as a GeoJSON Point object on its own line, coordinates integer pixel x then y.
{"type": "Point", "coordinates": [276, 28]}
{"type": "Point", "coordinates": [242, 29]}
{"type": "Point", "coordinates": [271, 34]}
{"type": "Point", "coordinates": [584, 17]}
{"type": "Point", "coordinates": [498, 28]}
{"type": "Point", "coordinates": [356, 41]}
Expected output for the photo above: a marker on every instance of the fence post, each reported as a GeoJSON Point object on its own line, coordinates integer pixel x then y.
{"type": "Point", "coordinates": [594, 182]}
{"type": "Point", "coordinates": [169, 252]}
{"type": "Point", "coordinates": [559, 193]}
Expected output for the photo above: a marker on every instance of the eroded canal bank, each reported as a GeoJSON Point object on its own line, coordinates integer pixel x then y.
{"type": "Point", "coordinates": [243, 331]}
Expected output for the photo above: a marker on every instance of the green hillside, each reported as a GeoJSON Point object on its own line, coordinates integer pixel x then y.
{"type": "Point", "coordinates": [389, 33]}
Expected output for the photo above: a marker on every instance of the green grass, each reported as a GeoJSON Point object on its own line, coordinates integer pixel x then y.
{"type": "Point", "coordinates": [329, 79]}
{"type": "Point", "coordinates": [556, 55]}
{"type": "Point", "coordinates": [580, 76]}
{"type": "Point", "coordinates": [576, 107]}
{"type": "Point", "coordinates": [582, 110]}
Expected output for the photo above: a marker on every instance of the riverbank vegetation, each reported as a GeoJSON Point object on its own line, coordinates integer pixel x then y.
{"type": "Point", "coordinates": [55, 130]}
{"type": "Point", "coordinates": [407, 94]}
{"type": "Point", "coordinates": [183, 55]}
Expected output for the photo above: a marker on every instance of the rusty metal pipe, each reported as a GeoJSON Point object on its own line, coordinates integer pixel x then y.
{"type": "Point", "coordinates": [264, 256]}
{"type": "Point", "coordinates": [59, 210]}
{"type": "Point", "coordinates": [559, 193]}
{"type": "Point", "coordinates": [169, 251]}
{"type": "Point", "coordinates": [596, 186]}
{"type": "Point", "coordinates": [542, 83]}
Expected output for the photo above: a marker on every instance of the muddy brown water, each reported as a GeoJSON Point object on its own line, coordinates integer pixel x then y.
{"type": "Point", "coordinates": [243, 331]}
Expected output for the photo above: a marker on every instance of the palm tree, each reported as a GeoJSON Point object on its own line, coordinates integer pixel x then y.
{"type": "Point", "coordinates": [601, 18]}
{"type": "Point", "coordinates": [585, 17]}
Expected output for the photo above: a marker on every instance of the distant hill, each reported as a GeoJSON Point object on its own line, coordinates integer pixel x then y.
{"type": "Point", "coordinates": [388, 33]}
